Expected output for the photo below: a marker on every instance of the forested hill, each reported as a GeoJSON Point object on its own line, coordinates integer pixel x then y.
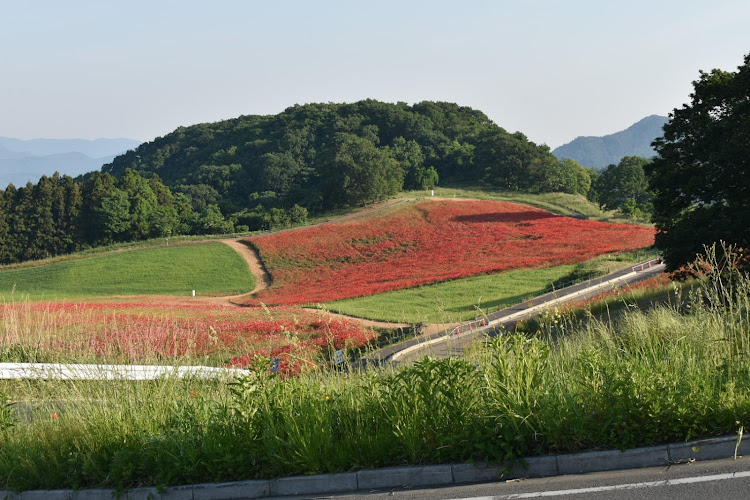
{"type": "Point", "coordinates": [318, 156]}
{"type": "Point", "coordinates": [599, 152]}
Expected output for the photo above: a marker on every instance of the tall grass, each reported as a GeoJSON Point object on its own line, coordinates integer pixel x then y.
{"type": "Point", "coordinates": [646, 377]}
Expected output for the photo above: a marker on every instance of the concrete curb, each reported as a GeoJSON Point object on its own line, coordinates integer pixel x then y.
{"type": "Point", "coordinates": [419, 476]}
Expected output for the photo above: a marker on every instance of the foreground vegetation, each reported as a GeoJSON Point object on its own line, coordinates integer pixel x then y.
{"type": "Point", "coordinates": [670, 374]}
{"type": "Point", "coordinates": [209, 268]}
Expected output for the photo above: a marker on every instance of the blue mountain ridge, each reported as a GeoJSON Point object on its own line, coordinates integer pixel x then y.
{"type": "Point", "coordinates": [22, 160]}
{"type": "Point", "coordinates": [599, 152]}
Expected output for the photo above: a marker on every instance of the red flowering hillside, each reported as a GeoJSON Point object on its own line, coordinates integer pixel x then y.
{"type": "Point", "coordinates": [180, 331]}
{"type": "Point", "coordinates": [428, 242]}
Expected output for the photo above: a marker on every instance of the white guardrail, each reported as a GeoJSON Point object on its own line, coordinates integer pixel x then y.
{"type": "Point", "coordinates": [486, 325]}
{"type": "Point", "coordinates": [59, 371]}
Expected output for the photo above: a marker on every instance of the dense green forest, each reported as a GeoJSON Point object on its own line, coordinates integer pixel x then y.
{"type": "Point", "coordinates": [60, 215]}
{"type": "Point", "coordinates": [321, 156]}
{"type": "Point", "coordinates": [259, 172]}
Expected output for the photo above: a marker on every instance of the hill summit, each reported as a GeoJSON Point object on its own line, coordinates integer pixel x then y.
{"type": "Point", "coordinates": [598, 152]}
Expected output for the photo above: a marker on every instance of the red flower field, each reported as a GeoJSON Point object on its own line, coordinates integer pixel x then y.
{"type": "Point", "coordinates": [177, 332]}
{"type": "Point", "coordinates": [428, 242]}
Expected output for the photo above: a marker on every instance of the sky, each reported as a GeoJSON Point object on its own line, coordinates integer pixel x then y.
{"type": "Point", "coordinates": [553, 70]}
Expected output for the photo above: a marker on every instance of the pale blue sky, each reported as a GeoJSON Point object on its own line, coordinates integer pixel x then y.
{"type": "Point", "coordinates": [553, 70]}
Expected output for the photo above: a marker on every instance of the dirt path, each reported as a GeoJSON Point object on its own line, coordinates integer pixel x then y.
{"type": "Point", "coordinates": [251, 257]}
{"type": "Point", "coordinates": [263, 278]}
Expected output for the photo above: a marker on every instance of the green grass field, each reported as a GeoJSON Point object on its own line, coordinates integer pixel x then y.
{"type": "Point", "coordinates": [452, 301]}
{"type": "Point", "coordinates": [642, 379]}
{"type": "Point", "coordinates": [468, 298]}
{"type": "Point", "coordinates": [209, 268]}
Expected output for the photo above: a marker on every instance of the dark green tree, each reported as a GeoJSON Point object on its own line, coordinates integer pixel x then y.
{"type": "Point", "coordinates": [565, 176]}
{"type": "Point", "coordinates": [700, 175]}
{"type": "Point", "coordinates": [142, 203]}
{"type": "Point", "coordinates": [356, 171]}
{"type": "Point", "coordinates": [21, 225]}
{"type": "Point", "coordinates": [43, 241]}
{"type": "Point", "coordinates": [105, 212]}
{"type": "Point", "coordinates": [68, 216]}
{"type": "Point", "coordinates": [625, 187]}
{"type": "Point", "coordinates": [279, 172]}
{"type": "Point", "coordinates": [5, 203]}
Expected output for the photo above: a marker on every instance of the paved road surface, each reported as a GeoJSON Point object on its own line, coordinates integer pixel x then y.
{"type": "Point", "coordinates": [725, 479]}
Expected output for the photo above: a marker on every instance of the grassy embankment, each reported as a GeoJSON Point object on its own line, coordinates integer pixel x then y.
{"type": "Point", "coordinates": [645, 378]}
{"type": "Point", "coordinates": [559, 203]}
{"type": "Point", "coordinates": [208, 268]}
{"type": "Point", "coordinates": [469, 298]}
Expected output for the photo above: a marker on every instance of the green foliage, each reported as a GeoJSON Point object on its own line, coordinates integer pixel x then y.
{"type": "Point", "coordinates": [624, 187]}
{"type": "Point", "coordinates": [565, 176]}
{"type": "Point", "coordinates": [174, 269]}
{"type": "Point", "coordinates": [8, 416]}
{"type": "Point", "coordinates": [358, 172]}
{"type": "Point", "coordinates": [700, 175]}
{"type": "Point", "coordinates": [60, 216]}
{"type": "Point", "coordinates": [305, 154]}
{"type": "Point", "coordinates": [434, 410]}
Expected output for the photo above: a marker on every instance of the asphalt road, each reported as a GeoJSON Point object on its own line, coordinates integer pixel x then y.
{"type": "Point", "coordinates": [726, 479]}
{"type": "Point", "coordinates": [453, 342]}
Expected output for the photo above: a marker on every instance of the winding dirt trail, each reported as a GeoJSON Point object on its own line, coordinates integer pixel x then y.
{"type": "Point", "coordinates": [251, 257]}
{"type": "Point", "coordinates": [263, 278]}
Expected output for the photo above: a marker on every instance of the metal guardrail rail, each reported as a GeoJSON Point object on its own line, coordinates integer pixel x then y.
{"type": "Point", "coordinates": [514, 313]}
{"type": "Point", "coordinates": [61, 371]}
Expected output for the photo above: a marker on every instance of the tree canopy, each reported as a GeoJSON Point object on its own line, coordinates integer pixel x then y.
{"type": "Point", "coordinates": [625, 187]}
{"type": "Point", "coordinates": [700, 176]}
{"type": "Point", "coordinates": [322, 155]}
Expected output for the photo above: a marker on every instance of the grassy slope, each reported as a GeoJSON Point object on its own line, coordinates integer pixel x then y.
{"type": "Point", "coordinates": [559, 203]}
{"type": "Point", "coordinates": [210, 268]}
{"type": "Point", "coordinates": [452, 301]}
{"type": "Point", "coordinates": [648, 378]}
{"type": "Point", "coordinates": [468, 298]}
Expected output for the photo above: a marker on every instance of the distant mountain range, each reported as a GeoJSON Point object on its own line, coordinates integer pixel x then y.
{"type": "Point", "coordinates": [28, 160]}
{"type": "Point", "coordinates": [599, 152]}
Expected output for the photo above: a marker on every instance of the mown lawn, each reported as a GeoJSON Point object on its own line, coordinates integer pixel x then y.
{"type": "Point", "coordinates": [208, 268]}
{"type": "Point", "coordinates": [468, 298]}
{"type": "Point", "coordinates": [452, 301]}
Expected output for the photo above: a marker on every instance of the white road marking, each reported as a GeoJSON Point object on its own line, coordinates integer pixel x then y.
{"type": "Point", "coordinates": [628, 486]}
